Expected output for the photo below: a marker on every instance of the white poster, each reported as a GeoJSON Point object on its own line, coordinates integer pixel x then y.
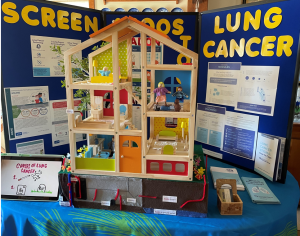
{"type": "Point", "coordinates": [257, 89]}
{"type": "Point", "coordinates": [31, 147]}
{"type": "Point", "coordinates": [266, 155]}
{"type": "Point", "coordinates": [240, 133]}
{"type": "Point", "coordinates": [59, 120]}
{"type": "Point", "coordinates": [29, 178]}
{"type": "Point", "coordinates": [210, 124]}
{"type": "Point", "coordinates": [45, 62]}
{"type": "Point", "coordinates": [27, 111]}
{"type": "Point", "coordinates": [222, 78]}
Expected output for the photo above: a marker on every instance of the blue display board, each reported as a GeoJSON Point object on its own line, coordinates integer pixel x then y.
{"type": "Point", "coordinates": [278, 19]}
{"type": "Point", "coordinates": [22, 19]}
{"type": "Point", "coordinates": [182, 28]}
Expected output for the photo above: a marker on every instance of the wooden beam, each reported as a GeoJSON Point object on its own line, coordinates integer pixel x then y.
{"type": "Point", "coordinates": [169, 67]}
{"type": "Point", "coordinates": [191, 5]}
{"type": "Point", "coordinates": [169, 114]}
{"type": "Point", "coordinates": [152, 84]}
{"type": "Point", "coordinates": [92, 4]}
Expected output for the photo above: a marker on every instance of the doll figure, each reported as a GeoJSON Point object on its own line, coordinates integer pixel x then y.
{"type": "Point", "coordinates": [104, 72]}
{"type": "Point", "coordinates": [180, 95]}
{"type": "Point", "coordinates": [161, 92]}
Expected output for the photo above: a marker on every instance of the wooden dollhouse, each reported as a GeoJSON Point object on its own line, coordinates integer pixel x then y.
{"type": "Point", "coordinates": [163, 153]}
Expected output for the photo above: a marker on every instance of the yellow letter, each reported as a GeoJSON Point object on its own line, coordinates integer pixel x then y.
{"type": "Point", "coordinates": [185, 39]}
{"type": "Point", "coordinates": [267, 45]}
{"type": "Point", "coordinates": [166, 23]}
{"type": "Point", "coordinates": [61, 20]}
{"type": "Point", "coordinates": [7, 9]}
{"type": "Point", "coordinates": [150, 22]}
{"type": "Point", "coordinates": [218, 30]}
{"type": "Point", "coordinates": [89, 23]}
{"type": "Point", "coordinates": [237, 22]}
{"type": "Point", "coordinates": [222, 49]}
{"type": "Point", "coordinates": [276, 19]}
{"type": "Point", "coordinates": [239, 49]}
{"type": "Point", "coordinates": [248, 47]}
{"type": "Point", "coordinates": [255, 22]}
{"type": "Point", "coordinates": [48, 15]}
{"type": "Point", "coordinates": [284, 44]}
{"type": "Point", "coordinates": [177, 24]}
{"type": "Point", "coordinates": [205, 51]}
{"type": "Point", "coordinates": [25, 17]}
{"type": "Point", "coordinates": [75, 22]}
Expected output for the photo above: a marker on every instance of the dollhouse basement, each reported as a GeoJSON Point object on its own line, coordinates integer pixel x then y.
{"type": "Point", "coordinates": [115, 146]}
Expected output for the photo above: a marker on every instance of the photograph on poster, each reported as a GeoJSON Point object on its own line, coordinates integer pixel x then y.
{"type": "Point", "coordinates": [257, 89]}
{"type": "Point", "coordinates": [45, 62]}
{"type": "Point", "coordinates": [31, 147]}
{"type": "Point", "coordinates": [240, 133]}
{"type": "Point", "coordinates": [210, 124]}
{"type": "Point", "coordinates": [222, 79]}
{"type": "Point", "coordinates": [27, 111]}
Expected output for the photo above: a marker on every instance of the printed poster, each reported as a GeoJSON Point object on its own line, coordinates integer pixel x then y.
{"type": "Point", "coordinates": [210, 124]}
{"type": "Point", "coordinates": [45, 62]}
{"type": "Point", "coordinates": [222, 79]}
{"type": "Point", "coordinates": [31, 147]}
{"type": "Point", "coordinates": [257, 89]}
{"type": "Point", "coordinates": [27, 111]}
{"type": "Point", "coordinates": [240, 133]}
{"type": "Point", "coordinates": [59, 121]}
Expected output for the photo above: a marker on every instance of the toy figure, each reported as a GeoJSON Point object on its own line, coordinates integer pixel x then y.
{"type": "Point", "coordinates": [180, 95]}
{"type": "Point", "coordinates": [104, 72]}
{"type": "Point", "coordinates": [176, 105]}
{"type": "Point", "coordinates": [111, 146]}
{"type": "Point", "coordinates": [161, 92]}
{"type": "Point", "coordinates": [38, 98]}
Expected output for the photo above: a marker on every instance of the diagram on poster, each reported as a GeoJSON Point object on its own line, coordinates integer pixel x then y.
{"type": "Point", "coordinates": [27, 111]}
{"type": "Point", "coordinates": [59, 121]}
{"type": "Point", "coordinates": [29, 178]}
{"type": "Point", "coordinates": [257, 89]}
{"type": "Point", "coordinates": [210, 124]}
{"type": "Point", "coordinates": [31, 147]}
{"type": "Point", "coordinates": [222, 78]}
{"type": "Point", "coordinates": [45, 62]}
{"type": "Point", "coordinates": [240, 133]}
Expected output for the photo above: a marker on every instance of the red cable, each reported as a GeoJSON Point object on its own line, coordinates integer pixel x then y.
{"type": "Point", "coordinates": [198, 200]}
{"type": "Point", "coordinates": [146, 196]}
{"type": "Point", "coordinates": [120, 202]}
{"type": "Point", "coordinates": [117, 195]}
{"type": "Point", "coordinates": [95, 195]}
{"type": "Point", "coordinates": [79, 185]}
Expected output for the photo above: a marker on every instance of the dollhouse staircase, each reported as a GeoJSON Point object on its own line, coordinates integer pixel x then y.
{"type": "Point", "coordinates": [136, 98]}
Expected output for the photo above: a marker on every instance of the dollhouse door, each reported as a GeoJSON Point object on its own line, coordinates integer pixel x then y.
{"type": "Point", "coordinates": [130, 154]}
{"type": "Point", "coordinates": [108, 107]}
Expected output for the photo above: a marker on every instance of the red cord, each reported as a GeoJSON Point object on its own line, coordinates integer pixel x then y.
{"type": "Point", "coordinates": [198, 200]}
{"type": "Point", "coordinates": [64, 161]}
{"type": "Point", "coordinates": [146, 196]}
{"type": "Point", "coordinates": [120, 202]}
{"type": "Point", "coordinates": [117, 195]}
{"type": "Point", "coordinates": [206, 164]}
{"type": "Point", "coordinates": [95, 195]}
{"type": "Point", "coordinates": [79, 185]}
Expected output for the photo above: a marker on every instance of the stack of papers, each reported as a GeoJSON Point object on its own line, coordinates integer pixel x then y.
{"type": "Point", "coordinates": [226, 173]}
{"type": "Point", "coordinates": [259, 191]}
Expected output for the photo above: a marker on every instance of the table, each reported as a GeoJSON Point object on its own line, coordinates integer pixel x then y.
{"type": "Point", "coordinates": [37, 218]}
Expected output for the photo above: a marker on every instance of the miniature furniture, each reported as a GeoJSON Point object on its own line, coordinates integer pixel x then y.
{"type": "Point", "coordinates": [111, 104]}
{"type": "Point", "coordinates": [21, 217]}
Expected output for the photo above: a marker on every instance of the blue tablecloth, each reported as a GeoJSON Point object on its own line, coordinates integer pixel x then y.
{"type": "Point", "coordinates": [24, 218]}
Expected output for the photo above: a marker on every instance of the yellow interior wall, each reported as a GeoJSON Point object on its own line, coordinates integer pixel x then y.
{"type": "Point", "coordinates": [105, 59]}
{"type": "Point", "coordinates": [159, 125]}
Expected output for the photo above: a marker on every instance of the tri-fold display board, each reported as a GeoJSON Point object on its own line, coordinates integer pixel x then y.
{"type": "Point", "coordinates": [248, 73]}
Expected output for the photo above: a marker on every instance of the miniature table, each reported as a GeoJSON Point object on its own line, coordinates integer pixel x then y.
{"type": "Point", "coordinates": [40, 218]}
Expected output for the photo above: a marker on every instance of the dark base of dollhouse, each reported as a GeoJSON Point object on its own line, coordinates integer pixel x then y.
{"type": "Point", "coordinates": [131, 188]}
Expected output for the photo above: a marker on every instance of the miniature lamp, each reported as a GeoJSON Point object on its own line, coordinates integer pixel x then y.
{"type": "Point", "coordinates": [183, 126]}
{"type": "Point", "coordinates": [95, 64]}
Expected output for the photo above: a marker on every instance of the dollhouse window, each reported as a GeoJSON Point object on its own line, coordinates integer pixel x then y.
{"type": "Point", "coordinates": [170, 122]}
{"type": "Point", "coordinates": [172, 83]}
{"type": "Point", "coordinates": [106, 96]}
{"type": "Point", "coordinates": [134, 144]}
{"type": "Point", "coordinates": [167, 167]}
{"type": "Point", "coordinates": [179, 167]}
{"type": "Point", "coordinates": [154, 166]}
{"type": "Point", "coordinates": [126, 143]}
{"type": "Point", "coordinates": [107, 105]}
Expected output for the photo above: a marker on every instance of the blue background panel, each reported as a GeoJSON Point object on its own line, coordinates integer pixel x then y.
{"type": "Point", "coordinates": [280, 123]}
{"type": "Point", "coordinates": [16, 61]}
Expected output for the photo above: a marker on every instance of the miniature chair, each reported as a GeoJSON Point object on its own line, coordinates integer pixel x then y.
{"type": "Point", "coordinates": [168, 150]}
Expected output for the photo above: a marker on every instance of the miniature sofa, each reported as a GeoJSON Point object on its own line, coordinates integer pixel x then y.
{"type": "Point", "coordinates": [166, 135]}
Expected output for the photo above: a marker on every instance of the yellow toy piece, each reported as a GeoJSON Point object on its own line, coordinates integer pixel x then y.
{"type": "Point", "coordinates": [102, 79]}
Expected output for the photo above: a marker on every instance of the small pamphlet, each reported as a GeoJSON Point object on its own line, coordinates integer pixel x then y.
{"type": "Point", "coordinates": [226, 173]}
{"type": "Point", "coordinates": [259, 191]}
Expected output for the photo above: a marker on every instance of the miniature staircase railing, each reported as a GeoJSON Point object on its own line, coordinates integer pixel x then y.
{"type": "Point", "coordinates": [134, 96]}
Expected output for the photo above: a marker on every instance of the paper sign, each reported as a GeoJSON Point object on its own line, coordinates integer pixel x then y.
{"type": "Point", "coordinates": [213, 154]}
{"type": "Point", "coordinates": [132, 200]}
{"type": "Point", "coordinates": [60, 198]}
{"type": "Point", "coordinates": [170, 199]}
{"type": "Point", "coordinates": [69, 111]}
{"type": "Point", "coordinates": [165, 212]}
{"type": "Point", "coordinates": [105, 203]}
{"type": "Point", "coordinates": [66, 204]}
